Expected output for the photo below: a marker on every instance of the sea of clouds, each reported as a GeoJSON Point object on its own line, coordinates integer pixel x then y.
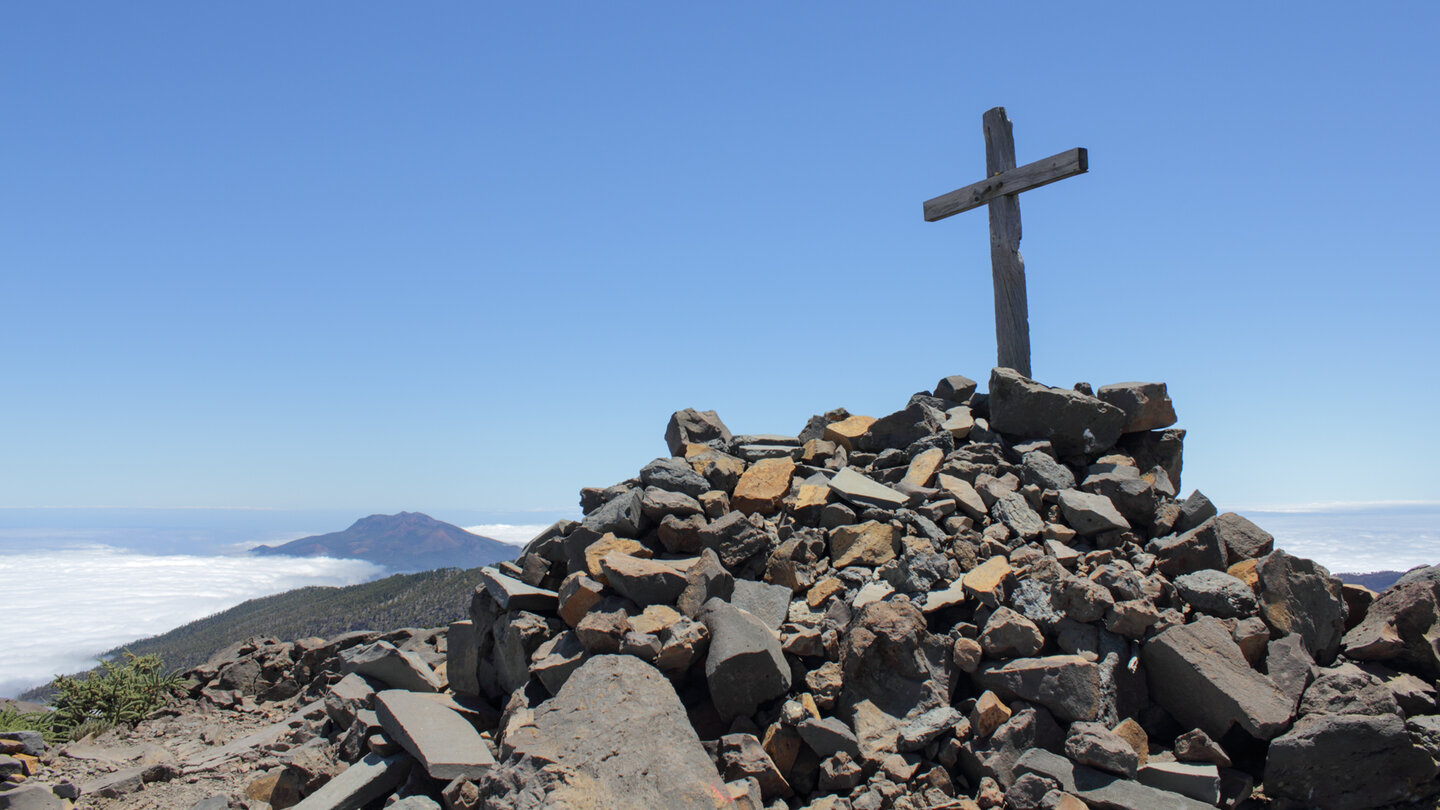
{"type": "Point", "coordinates": [68, 605]}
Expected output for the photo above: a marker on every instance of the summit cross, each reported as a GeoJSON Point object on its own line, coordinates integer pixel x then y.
{"type": "Point", "coordinates": [1000, 190]}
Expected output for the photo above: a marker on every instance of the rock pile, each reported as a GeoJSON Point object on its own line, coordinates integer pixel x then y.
{"type": "Point", "coordinates": [978, 600]}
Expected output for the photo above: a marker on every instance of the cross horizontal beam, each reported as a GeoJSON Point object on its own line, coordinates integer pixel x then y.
{"type": "Point", "coordinates": [1023, 178]}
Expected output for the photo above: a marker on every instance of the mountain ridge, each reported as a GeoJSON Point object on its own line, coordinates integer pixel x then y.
{"type": "Point", "coordinates": [405, 542]}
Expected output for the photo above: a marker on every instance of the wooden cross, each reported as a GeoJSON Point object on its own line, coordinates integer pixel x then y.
{"type": "Point", "coordinates": [1000, 190]}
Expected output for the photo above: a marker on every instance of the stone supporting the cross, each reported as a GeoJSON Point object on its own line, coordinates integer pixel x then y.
{"type": "Point", "coordinates": [1000, 190]}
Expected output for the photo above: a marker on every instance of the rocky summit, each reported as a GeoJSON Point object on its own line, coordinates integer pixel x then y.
{"type": "Point", "coordinates": [980, 600]}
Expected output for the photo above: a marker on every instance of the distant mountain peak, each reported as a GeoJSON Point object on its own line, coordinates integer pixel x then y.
{"type": "Point", "coordinates": [406, 541]}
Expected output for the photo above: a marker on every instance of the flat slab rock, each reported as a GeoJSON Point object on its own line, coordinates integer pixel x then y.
{"type": "Point", "coordinates": [1099, 789]}
{"type": "Point", "coordinates": [443, 741]}
{"type": "Point", "coordinates": [361, 783]}
{"type": "Point", "coordinates": [618, 720]}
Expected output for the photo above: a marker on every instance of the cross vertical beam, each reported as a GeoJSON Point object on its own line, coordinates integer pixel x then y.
{"type": "Point", "coordinates": [1007, 267]}
{"type": "Point", "coordinates": [1000, 191]}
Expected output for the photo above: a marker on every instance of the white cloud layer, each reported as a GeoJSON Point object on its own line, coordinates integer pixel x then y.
{"type": "Point", "coordinates": [74, 603]}
{"type": "Point", "coordinates": [514, 533]}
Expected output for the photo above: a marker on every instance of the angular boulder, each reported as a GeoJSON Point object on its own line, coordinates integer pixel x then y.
{"type": "Point", "coordinates": [1299, 596]}
{"type": "Point", "coordinates": [1347, 762]}
{"type": "Point", "coordinates": [745, 665]}
{"type": "Point", "coordinates": [1147, 405]}
{"type": "Point", "coordinates": [1197, 673]}
{"type": "Point", "coordinates": [618, 721]}
{"type": "Point", "coordinates": [1068, 685]}
{"type": "Point", "coordinates": [1073, 422]}
{"type": "Point", "coordinates": [694, 427]}
{"type": "Point", "coordinates": [1401, 627]}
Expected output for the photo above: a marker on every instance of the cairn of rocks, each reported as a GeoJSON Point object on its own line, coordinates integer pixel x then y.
{"type": "Point", "coordinates": [979, 601]}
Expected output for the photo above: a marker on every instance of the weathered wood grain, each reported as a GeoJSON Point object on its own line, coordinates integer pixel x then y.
{"type": "Point", "coordinates": [1012, 311]}
{"type": "Point", "coordinates": [1032, 175]}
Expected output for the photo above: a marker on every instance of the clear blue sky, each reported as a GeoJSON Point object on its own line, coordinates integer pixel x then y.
{"type": "Point", "coordinates": [471, 255]}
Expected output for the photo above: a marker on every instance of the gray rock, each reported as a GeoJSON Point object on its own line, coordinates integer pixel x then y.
{"type": "Point", "coordinates": [442, 741]}
{"type": "Point", "coordinates": [759, 452]}
{"type": "Point", "coordinates": [415, 802]}
{"type": "Point", "coordinates": [928, 727]}
{"type": "Point", "coordinates": [674, 475]}
{"type": "Point", "coordinates": [220, 802]}
{"type": "Point", "coordinates": [1008, 634]}
{"type": "Point", "coordinates": [1290, 666]}
{"type": "Point", "coordinates": [1095, 745]}
{"type": "Point", "coordinates": [618, 722]}
{"type": "Point", "coordinates": [621, 515]}
{"type": "Point", "coordinates": [657, 504]}
{"type": "Point", "coordinates": [956, 388]}
{"type": "Point", "coordinates": [840, 774]}
{"type": "Point", "coordinates": [890, 660]}
{"type": "Point", "coordinates": [358, 785]}
{"type": "Point", "coordinates": [557, 659]}
{"type": "Point", "coordinates": [30, 797]}
{"type": "Point", "coordinates": [901, 429]}
{"type": "Point", "coordinates": [1098, 789]}
{"type": "Point", "coordinates": [1299, 596]}
{"type": "Point", "coordinates": [1195, 510]}
{"type": "Point", "coordinates": [1067, 685]}
{"type": "Point", "coordinates": [1147, 406]}
{"type": "Point", "coordinates": [1042, 470]}
{"type": "Point", "coordinates": [1200, 782]}
{"type": "Point", "coordinates": [1090, 514]}
{"type": "Point", "coordinates": [512, 594]}
{"type": "Point", "coordinates": [1218, 594]}
{"type": "Point", "coordinates": [1420, 573]}
{"type": "Point", "coordinates": [1198, 674]}
{"type": "Point", "coordinates": [517, 635]}
{"type": "Point", "coordinates": [1028, 792]}
{"type": "Point", "coordinates": [401, 669]}
{"type": "Point", "coordinates": [1014, 511]}
{"type": "Point", "coordinates": [32, 740]}
{"type": "Point", "coordinates": [1241, 539]}
{"type": "Point", "coordinates": [1029, 728]}
{"type": "Point", "coordinates": [828, 735]}
{"type": "Point", "coordinates": [706, 580]}
{"type": "Point", "coordinates": [740, 756]}
{"type": "Point", "coordinates": [1347, 762]}
{"type": "Point", "coordinates": [1195, 550]}
{"type": "Point", "coordinates": [768, 603]}
{"type": "Point", "coordinates": [694, 427]}
{"type": "Point", "coordinates": [1402, 627]}
{"type": "Point", "coordinates": [745, 665]}
{"type": "Point", "coordinates": [1152, 448]}
{"type": "Point", "coordinates": [1348, 689]}
{"type": "Point", "coordinates": [735, 538]}
{"type": "Point", "coordinates": [461, 660]}
{"type": "Point", "coordinates": [863, 492]}
{"type": "Point", "coordinates": [1127, 490]}
{"type": "Point", "coordinates": [1073, 422]}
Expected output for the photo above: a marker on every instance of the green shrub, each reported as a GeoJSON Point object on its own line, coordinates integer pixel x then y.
{"type": "Point", "coordinates": [115, 694]}
{"type": "Point", "coordinates": [12, 719]}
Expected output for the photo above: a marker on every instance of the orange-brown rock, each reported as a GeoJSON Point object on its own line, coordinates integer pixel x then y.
{"type": "Point", "coordinates": [846, 431]}
{"type": "Point", "coordinates": [763, 486]}
{"type": "Point", "coordinates": [823, 590]}
{"type": "Point", "coordinates": [922, 468]}
{"type": "Point", "coordinates": [610, 544]}
{"type": "Point", "coordinates": [989, 714]}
